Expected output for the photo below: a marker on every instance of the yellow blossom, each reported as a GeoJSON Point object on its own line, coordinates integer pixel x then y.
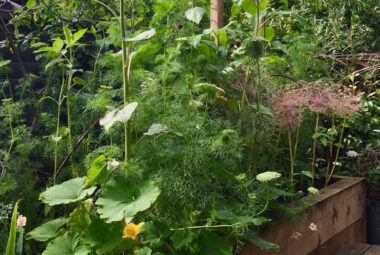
{"type": "Point", "coordinates": [132, 230]}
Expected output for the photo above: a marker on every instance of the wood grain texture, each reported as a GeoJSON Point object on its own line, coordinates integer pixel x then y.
{"type": "Point", "coordinates": [374, 250]}
{"type": "Point", "coordinates": [217, 14]}
{"type": "Point", "coordinates": [337, 208]}
{"type": "Point", "coordinates": [354, 249]}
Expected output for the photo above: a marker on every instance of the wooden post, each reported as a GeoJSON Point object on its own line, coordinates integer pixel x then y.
{"type": "Point", "coordinates": [216, 14]}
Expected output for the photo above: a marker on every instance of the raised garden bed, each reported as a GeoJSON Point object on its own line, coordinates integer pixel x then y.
{"type": "Point", "coordinates": [339, 213]}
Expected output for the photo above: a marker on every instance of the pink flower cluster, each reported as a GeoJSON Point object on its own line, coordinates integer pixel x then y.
{"type": "Point", "coordinates": [317, 97]}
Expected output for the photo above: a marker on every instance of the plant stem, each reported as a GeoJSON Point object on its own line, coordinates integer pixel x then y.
{"type": "Point", "coordinates": [314, 150]}
{"type": "Point", "coordinates": [127, 131]}
{"type": "Point", "coordinates": [68, 102]}
{"type": "Point", "coordinates": [243, 99]}
{"type": "Point", "coordinates": [291, 159]}
{"type": "Point", "coordinates": [328, 178]}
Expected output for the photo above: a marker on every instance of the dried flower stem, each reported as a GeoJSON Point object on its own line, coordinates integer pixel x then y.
{"type": "Point", "coordinates": [314, 150]}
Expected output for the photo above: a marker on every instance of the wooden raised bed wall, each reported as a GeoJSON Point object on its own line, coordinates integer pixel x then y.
{"type": "Point", "coordinates": [339, 212]}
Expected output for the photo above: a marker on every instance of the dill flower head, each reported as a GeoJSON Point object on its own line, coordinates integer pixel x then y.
{"type": "Point", "coordinates": [132, 230]}
{"type": "Point", "coordinates": [352, 154]}
{"type": "Point", "coordinates": [313, 191]}
{"type": "Point", "coordinates": [267, 176]}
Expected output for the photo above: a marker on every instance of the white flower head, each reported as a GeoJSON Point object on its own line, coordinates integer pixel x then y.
{"type": "Point", "coordinates": [296, 235]}
{"type": "Point", "coordinates": [313, 190]}
{"type": "Point", "coordinates": [352, 154]}
{"type": "Point", "coordinates": [337, 163]}
{"type": "Point", "coordinates": [268, 176]}
{"type": "Point", "coordinates": [313, 227]}
{"type": "Point", "coordinates": [21, 221]}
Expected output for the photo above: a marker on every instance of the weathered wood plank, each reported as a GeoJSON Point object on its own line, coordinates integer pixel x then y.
{"type": "Point", "coordinates": [354, 249]}
{"type": "Point", "coordinates": [374, 250]}
{"type": "Point", "coordinates": [336, 208]}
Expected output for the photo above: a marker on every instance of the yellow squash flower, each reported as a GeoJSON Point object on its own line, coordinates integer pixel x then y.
{"type": "Point", "coordinates": [132, 230]}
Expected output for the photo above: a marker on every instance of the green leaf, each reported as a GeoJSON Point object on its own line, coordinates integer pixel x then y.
{"type": "Point", "coordinates": [124, 198]}
{"type": "Point", "coordinates": [262, 110]}
{"type": "Point", "coordinates": [254, 238]}
{"type": "Point", "coordinates": [4, 63]}
{"type": "Point", "coordinates": [154, 233]}
{"type": "Point", "coordinates": [268, 33]}
{"type": "Point", "coordinates": [161, 10]}
{"type": "Point", "coordinates": [78, 80]}
{"type": "Point", "coordinates": [67, 244]}
{"type": "Point", "coordinates": [208, 88]}
{"type": "Point", "coordinates": [195, 14]}
{"type": "Point", "coordinates": [143, 36]}
{"type": "Point", "coordinates": [57, 45]}
{"type": "Point", "coordinates": [250, 7]}
{"type": "Point", "coordinates": [47, 230]}
{"type": "Point", "coordinates": [67, 192]}
{"type": "Point", "coordinates": [223, 38]}
{"type": "Point", "coordinates": [97, 172]}
{"type": "Point", "coordinates": [53, 63]}
{"type": "Point", "coordinates": [115, 115]}
{"type": "Point", "coordinates": [307, 174]}
{"type": "Point", "coordinates": [146, 52]}
{"type": "Point", "coordinates": [181, 238]}
{"type": "Point", "coordinates": [20, 241]}
{"type": "Point", "coordinates": [212, 244]}
{"type": "Point", "coordinates": [156, 129]}
{"type": "Point", "coordinates": [79, 219]}
{"type": "Point", "coordinates": [102, 236]}
{"type": "Point", "coordinates": [68, 34]}
{"type": "Point", "coordinates": [273, 59]}
{"type": "Point", "coordinates": [30, 4]}
{"type": "Point", "coordinates": [11, 245]}
{"type": "Point", "coordinates": [143, 251]}
{"type": "Point", "coordinates": [78, 35]}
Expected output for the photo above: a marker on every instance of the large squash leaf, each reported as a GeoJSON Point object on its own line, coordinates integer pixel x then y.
{"type": "Point", "coordinates": [102, 236]}
{"type": "Point", "coordinates": [195, 14]}
{"type": "Point", "coordinates": [154, 233]}
{"type": "Point", "coordinates": [66, 244]}
{"type": "Point", "coordinates": [115, 115]}
{"type": "Point", "coordinates": [47, 230]}
{"type": "Point", "coordinates": [97, 172]}
{"type": "Point", "coordinates": [67, 192]}
{"type": "Point", "coordinates": [212, 244]}
{"type": "Point", "coordinates": [79, 219]}
{"type": "Point", "coordinates": [254, 238]}
{"type": "Point", "coordinates": [123, 198]}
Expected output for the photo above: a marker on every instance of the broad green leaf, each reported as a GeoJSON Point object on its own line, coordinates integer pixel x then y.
{"type": "Point", "coordinates": [268, 33]}
{"type": "Point", "coordinates": [79, 219]}
{"type": "Point", "coordinates": [154, 233]}
{"type": "Point", "coordinates": [102, 236]}
{"type": "Point", "coordinates": [20, 241]}
{"type": "Point", "coordinates": [78, 35]}
{"type": "Point", "coordinates": [11, 245]}
{"type": "Point", "coordinates": [143, 251]}
{"type": "Point", "coordinates": [57, 45]}
{"type": "Point", "coordinates": [156, 129]}
{"type": "Point", "coordinates": [181, 238]}
{"type": "Point", "coordinates": [307, 174]}
{"type": "Point", "coordinates": [97, 172]}
{"type": "Point", "coordinates": [67, 244]}
{"type": "Point", "coordinates": [78, 80]}
{"type": "Point", "coordinates": [208, 88]}
{"type": "Point", "coordinates": [146, 52]}
{"type": "Point", "coordinates": [68, 34]}
{"type": "Point", "coordinates": [273, 59]}
{"type": "Point", "coordinates": [67, 192]}
{"type": "Point", "coordinates": [223, 38]}
{"type": "Point", "coordinates": [115, 115]}
{"type": "Point", "coordinates": [161, 10]}
{"type": "Point", "coordinates": [124, 198]}
{"type": "Point", "coordinates": [47, 230]}
{"type": "Point", "coordinates": [254, 238]}
{"type": "Point", "coordinates": [54, 62]}
{"type": "Point", "coordinates": [4, 63]}
{"type": "Point", "coordinates": [249, 6]}
{"type": "Point", "coordinates": [143, 36]}
{"type": "Point", "coordinates": [30, 4]}
{"type": "Point", "coordinates": [195, 14]}
{"type": "Point", "coordinates": [212, 244]}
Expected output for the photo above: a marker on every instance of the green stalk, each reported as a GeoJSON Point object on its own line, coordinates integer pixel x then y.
{"type": "Point", "coordinates": [69, 109]}
{"type": "Point", "coordinates": [57, 129]}
{"type": "Point", "coordinates": [291, 159]}
{"type": "Point", "coordinates": [245, 89]}
{"type": "Point", "coordinates": [11, 129]}
{"type": "Point", "coordinates": [127, 130]}
{"type": "Point", "coordinates": [314, 150]}
{"type": "Point", "coordinates": [328, 178]}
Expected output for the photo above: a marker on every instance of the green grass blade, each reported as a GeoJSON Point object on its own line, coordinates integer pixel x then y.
{"type": "Point", "coordinates": [11, 246]}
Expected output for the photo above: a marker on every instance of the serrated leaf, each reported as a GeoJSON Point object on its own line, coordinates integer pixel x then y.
{"type": "Point", "coordinates": [249, 6]}
{"type": "Point", "coordinates": [78, 35]}
{"type": "Point", "coordinates": [161, 10]}
{"type": "Point", "coordinates": [154, 233]}
{"type": "Point", "coordinates": [78, 80]}
{"type": "Point", "coordinates": [4, 63]}
{"type": "Point", "coordinates": [79, 219]}
{"type": "Point", "coordinates": [143, 251]}
{"type": "Point", "coordinates": [67, 192]}
{"type": "Point", "coordinates": [57, 45]}
{"type": "Point", "coordinates": [268, 33]}
{"type": "Point", "coordinates": [124, 198]}
{"type": "Point", "coordinates": [67, 244]}
{"type": "Point", "coordinates": [115, 115]}
{"type": "Point", "coordinates": [156, 129]}
{"type": "Point", "coordinates": [195, 14]}
{"type": "Point", "coordinates": [97, 172]}
{"type": "Point", "coordinates": [143, 36]}
{"type": "Point", "coordinates": [102, 236]}
{"type": "Point", "coordinates": [47, 230]}
{"type": "Point", "coordinates": [182, 238]}
{"type": "Point", "coordinates": [212, 244]}
{"type": "Point", "coordinates": [254, 238]}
